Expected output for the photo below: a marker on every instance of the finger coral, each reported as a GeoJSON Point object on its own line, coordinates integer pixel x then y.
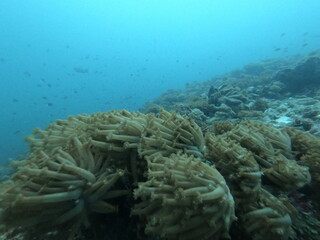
{"type": "Point", "coordinates": [307, 148]}
{"type": "Point", "coordinates": [76, 165]}
{"type": "Point", "coordinates": [184, 199]}
{"type": "Point", "coordinates": [51, 192]}
{"type": "Point", "coordinates": [270, 148]}
{"type": "Point", "coordinates": [236, 163]}
{"type": "Point", "coordinates": [170, 133]}
{"type": "Point", "coordinates": [267, 218]}
{"type": "Point", "coordinates": [164, 171]}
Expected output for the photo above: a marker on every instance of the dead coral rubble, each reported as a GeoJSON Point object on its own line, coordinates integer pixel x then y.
{"type": "Point", "coordinates": [160, 166]}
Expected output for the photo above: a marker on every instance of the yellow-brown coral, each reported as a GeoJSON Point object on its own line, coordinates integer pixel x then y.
{"type": "Point", "coordinates": [59, 191]}
{"type": "Point", "coordinates": [307, 149]}
{"type": "Point", "coordinates": [266, 218]}
{"type": "Point", "coordinates": [184, 199]}
{"type": "Point", "coordinates": [90, 164]}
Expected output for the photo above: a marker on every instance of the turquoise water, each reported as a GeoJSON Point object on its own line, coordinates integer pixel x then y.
{"type": "Point", "coordinates": [70, 57]}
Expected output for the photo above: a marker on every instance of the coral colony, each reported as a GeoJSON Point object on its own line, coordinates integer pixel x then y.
{"type": "Point", "coordinates": [176, 180]}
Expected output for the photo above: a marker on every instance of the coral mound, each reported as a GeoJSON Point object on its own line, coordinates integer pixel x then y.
{"type": "Point", "coordinates": [185, 199]}
{"type": "Point", "coordinates": [164, 172]}
{"type": "Point", "coordinates": [58, 191]}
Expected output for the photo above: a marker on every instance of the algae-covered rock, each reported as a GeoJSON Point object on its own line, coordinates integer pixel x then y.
{"type": "Point", "coordinates": [301, 77]}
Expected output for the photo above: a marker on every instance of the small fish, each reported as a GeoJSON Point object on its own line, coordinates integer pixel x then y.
{"type": "Point", "coordinates": [15, 100]}
{"type": "Point", "coordinates": [127, 98]}
{"type": "Point", "coordinates": [304, 45]}
{"type": "Point", "coordinates": [313, 53]}
{"type": "Point", "coordinates": [277, 49]}
{"type": "Point", "coordinates": [50, 104]}
{"type": "Point", "coordinates": [80, 70]}
{"type": "Point", "coordinates": [282, 34]}
{"type": "Point", "coordinates": [16, 132]}
{"type": "Point", "coordinates": [27, 74]}
{"type": "Point", "coordinates": [305, 34]}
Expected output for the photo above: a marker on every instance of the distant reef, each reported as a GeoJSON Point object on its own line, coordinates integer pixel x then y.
{"type": "Point", "coordinates": [223, 159]}
{"type": "Point", "coordinates": [283, 92]}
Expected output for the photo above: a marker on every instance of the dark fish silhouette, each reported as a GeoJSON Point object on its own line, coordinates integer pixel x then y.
{"type": "Point", "coordinates": [27, 74]}
{"type": "Point", "coordinates": [16, 132]}
{"type": "Point", "coordinates": [277, 49]}
{"type": "Point", "coordinates": [80, 70]}
{"type": "Point", "coordinates": [313, 53]}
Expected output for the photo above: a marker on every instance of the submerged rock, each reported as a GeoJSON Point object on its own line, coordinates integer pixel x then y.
{"type": "Point", "coordinates": [303, 76]}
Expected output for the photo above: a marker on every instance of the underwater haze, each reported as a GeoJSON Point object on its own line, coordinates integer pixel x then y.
{"type": "Point", "coordinates": [67, 57]}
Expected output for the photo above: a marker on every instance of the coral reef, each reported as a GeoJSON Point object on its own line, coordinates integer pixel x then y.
{"type": "Point", "coordinates": [57, 192]}
{"type": "Point", "coordinates": [305, 75]}
{"type": "Point", "coordinates": [307, 148]}
{"type": "Point", "coordinates": [185, 199]}
{"type": "Point", "coordinates": [237, 180]}
{"type": "Point", "coordinates": [263, 145]}
{"type": "Point", "coordinates": [82, 165]}
{"type": "Point", "coordinates": [247, 154]}
{"type": "Point", "coordinates": [258, 91]}
{"type": "Point", "coordinates": [259, 161]}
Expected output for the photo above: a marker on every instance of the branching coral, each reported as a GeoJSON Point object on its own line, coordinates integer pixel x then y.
{"type": "Point", "coordinates": [287, 174]}
{"type": "Point", "coordinates": [307, 148]}
{"type": "Point", "coordinates": [267, 217]}
{"type": "Point", "coordinates": [91, 164]}
{"type": "Point", "coordinates": [243, 153]}
{"type": "Point", "coordinates": [237, 164]}
{"type": "Point", "coordinates": [76, 163]}
{"type": "Point", "coordinates": [56, 191]}
{"type": "Point", "coordinates": [184, 199]}
{"type": "Point", "coordinates": [270, 147]}
{"type": "Point", "coordinates": [170, 133]}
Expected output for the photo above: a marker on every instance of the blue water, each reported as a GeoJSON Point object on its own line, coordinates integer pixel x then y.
{"type": "Point", "coordinates": [64, 57]}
